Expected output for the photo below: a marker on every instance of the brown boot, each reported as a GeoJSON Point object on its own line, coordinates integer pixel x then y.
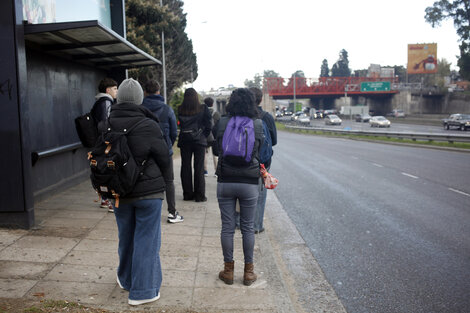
{"type": "Point", "coordinates": [249, 277]}
{"type": "Point", "coordinates": [227, 274]}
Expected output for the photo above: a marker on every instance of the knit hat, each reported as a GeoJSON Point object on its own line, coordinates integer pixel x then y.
{"type": "Point", "coordinates": [130, 91]}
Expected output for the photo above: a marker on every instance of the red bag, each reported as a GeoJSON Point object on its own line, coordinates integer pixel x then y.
{"type": "Point", "coordinates": [270, 182]}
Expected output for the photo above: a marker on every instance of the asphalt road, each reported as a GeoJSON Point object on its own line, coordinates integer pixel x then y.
{"type": "Point", "coordinates": [389, 225]}
{"type": "Point", "coordinates": [395, 127]}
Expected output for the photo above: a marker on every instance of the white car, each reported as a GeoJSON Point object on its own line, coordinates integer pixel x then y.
{"type": "Point", "coordinates": [379, 121]}
{"type": "Point", "coordinates": [303, 119]}
{"type": "Point", "coordinates": [332, 120]}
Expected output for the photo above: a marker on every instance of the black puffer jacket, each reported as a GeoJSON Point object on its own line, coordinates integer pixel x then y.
{"type": "Point", "coordinates": [146, 142]}
{"type": "Point", "coordinates": [200, 122]}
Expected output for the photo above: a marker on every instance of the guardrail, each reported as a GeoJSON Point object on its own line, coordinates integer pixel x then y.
{"type": "Point", "coordinates": [398, 135]}
{"type": "Point", "coordinates": [35, 156]}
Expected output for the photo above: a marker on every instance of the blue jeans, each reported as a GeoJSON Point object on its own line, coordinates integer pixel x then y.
{"type": "Point", "coordinates": [139, 269]}
{"type": "Point", "coordinates": [247, 195]}
{"type": "Point", "coordinates": [259, 212]}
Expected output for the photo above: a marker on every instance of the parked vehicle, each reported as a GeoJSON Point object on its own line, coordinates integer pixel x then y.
{"type": "Point", "coordinates": [332, 120]}
{"type": "Point", "coordinates": [396, 113]}
{"type": "Point", "coordinates": [364, 118]}
{"type": "Point", "coordinates": [460, 121]}
{"type": "Point", "coordinates": [379, 121]}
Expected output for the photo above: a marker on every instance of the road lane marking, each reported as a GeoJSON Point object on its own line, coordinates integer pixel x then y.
{"type": "Point", "coordinates": [458, 191]}
{"type": "Point", "coordinates": [409, 175]}
{"type": "Point", "coordinates": [378, 165]}
{"type": "Point", "coordinates": [355, 158]}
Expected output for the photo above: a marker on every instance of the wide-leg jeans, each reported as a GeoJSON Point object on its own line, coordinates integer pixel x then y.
{"type": "Point", "coordinates": [139, 229]}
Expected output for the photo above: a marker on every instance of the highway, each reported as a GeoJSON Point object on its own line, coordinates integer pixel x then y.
{"type": "Point", "coordinates": [389, 225]}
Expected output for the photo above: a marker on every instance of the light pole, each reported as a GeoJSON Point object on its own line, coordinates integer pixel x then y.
{"type": "Point", "coordinates": [163, 60]}
{"type": "Point", "coordinates": [293, 110]}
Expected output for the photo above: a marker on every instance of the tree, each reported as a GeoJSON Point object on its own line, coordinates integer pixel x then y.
{"type": "Point", "coordinates": [298, 74]}
{"type": "Point", "coordinates": [325, 70]}
{"type": "Point", "coordinates": [256, 82]}
{"type": "Point", "coordinates": [341, 67]}
{"type": "Point", "coordinates": [459, 11]}
{"type": "Point", "coordinates": [270, 73]}
{"type": "Point", "coordinates": [145, 21]}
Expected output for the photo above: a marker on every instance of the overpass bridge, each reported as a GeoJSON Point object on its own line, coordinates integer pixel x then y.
{"type": "Point", "coordinates": [281, 88]}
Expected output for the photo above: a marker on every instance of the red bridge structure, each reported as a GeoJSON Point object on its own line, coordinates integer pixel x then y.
{"type": "Point", "coordinates": [280, 88]}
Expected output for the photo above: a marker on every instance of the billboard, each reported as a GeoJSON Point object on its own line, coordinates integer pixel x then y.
{"type": "Point", "coordinates": [422, 58]}
{"type": "Point", "coordinates": [55, 11]}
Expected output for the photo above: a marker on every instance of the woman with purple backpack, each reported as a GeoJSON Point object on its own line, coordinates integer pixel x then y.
{"type": "Point", "coordinates": [239, 136]}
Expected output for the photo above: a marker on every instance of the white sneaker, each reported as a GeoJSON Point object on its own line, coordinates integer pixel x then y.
{"type": "Point", "coordinates": [139, 302]}
{"type": "Point", "coordinates": [176, 218]}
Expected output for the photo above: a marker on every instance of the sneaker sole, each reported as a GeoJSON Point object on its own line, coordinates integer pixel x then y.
{"type": "Point", "coordinates": [138, 302]}
{"type": "Point", "coordinates": [174, 221]}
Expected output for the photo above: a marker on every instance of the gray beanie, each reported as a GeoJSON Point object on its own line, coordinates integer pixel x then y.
{"type": "Point", "coordinates": [130, 91]}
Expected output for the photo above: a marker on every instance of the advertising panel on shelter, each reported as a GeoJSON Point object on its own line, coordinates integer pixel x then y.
{"type": "Point", "coordinates": [56, 11]}
{"type": "Point", "coordinates": [422, 58]}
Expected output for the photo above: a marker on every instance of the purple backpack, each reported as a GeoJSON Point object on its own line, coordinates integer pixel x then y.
{"type": "Point", "coordinates": [239, 140]}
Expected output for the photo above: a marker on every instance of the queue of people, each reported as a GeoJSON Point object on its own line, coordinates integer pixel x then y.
{"type": "Point", "coordinates": [235, 139]}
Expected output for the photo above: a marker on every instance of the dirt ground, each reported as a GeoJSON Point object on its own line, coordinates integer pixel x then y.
{"type": "Point", "coordinates": [50, 306]}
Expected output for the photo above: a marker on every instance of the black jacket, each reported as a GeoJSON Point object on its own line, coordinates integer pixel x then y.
{"type": "Point", "coordinates": [200, 122]}
{"type": "Point", "coordinates": [228, 173]}
{"type": "Point", "coordinates": [146, 142]}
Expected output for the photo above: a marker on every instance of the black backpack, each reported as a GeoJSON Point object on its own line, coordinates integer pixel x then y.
{"type": "Point", "coordinates": [114, 171]}
{"type": "Point", "coordinates": [87, 130]}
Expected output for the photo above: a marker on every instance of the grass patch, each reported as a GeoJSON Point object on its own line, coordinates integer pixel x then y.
{"type": "Point", "coordinates": [459, 145]}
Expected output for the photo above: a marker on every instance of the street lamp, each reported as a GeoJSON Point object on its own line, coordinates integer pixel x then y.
{"type": "Point", "coordinates": [163, 60]}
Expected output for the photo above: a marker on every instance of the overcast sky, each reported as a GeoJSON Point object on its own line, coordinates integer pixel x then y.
{"type": "Point", "coordinates": [234, 40]}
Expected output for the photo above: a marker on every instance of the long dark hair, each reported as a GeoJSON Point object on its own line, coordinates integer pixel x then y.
{"type": "Point", "coordinates": [242, 103]}
{"type": "Point", "coordinates": [190, 105]}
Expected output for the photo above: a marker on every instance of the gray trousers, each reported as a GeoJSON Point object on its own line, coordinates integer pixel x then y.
{"type": "Point", "coordinates": [247, 195]}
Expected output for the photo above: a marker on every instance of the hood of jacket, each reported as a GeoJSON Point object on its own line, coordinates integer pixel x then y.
{"type": "Point", "coordinates": [154, 102]}
{"type": "Point", "coordinates": [101, 95]}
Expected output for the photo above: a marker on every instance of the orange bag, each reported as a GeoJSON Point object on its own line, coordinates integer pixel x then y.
{"type": "Point", "coordinates": [270, 182]}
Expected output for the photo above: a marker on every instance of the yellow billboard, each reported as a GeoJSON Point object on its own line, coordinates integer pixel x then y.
{"type": "Point", "coordinates": [422, 58]}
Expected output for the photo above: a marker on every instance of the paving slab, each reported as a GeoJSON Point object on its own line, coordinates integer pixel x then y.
{"type": "Point", "coordinates": [24, 270]}
{"type": "Point", "coordinates": [15, 288]}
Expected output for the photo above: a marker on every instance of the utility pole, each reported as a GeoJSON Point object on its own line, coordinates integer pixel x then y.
{"type": "Point", "coordinates": [293, 110]}
{"type": "Point", "coordinates": [163, 60]}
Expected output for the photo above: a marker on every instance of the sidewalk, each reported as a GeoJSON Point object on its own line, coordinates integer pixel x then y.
{"type": "Point", "coordinates": [71, 255]}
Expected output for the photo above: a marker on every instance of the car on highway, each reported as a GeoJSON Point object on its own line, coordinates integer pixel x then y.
{"type": "Point", "coordinates": [396, 113]}
{"type": "Point", "coordinates": [379, 121]}
{"type": "Point", "coordinates": [328, 112]}
{"type": "Point", "coordinates": [460, 121]}
{"type": "Point", "coordinates": [364, 118]}
{"type": "Point", "coordinates": [332, 119]}
{"type": "Point", "coordinates": [304, 119]}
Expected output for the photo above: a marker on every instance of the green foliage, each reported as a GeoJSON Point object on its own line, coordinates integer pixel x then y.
{"type": "Point", "coordinates": [325, 70]}
{"type": "Point", "coordinates": [270, 73]}
{"type": "Point", "coordinates": [459, 12]}
{"type": "Point", "coordinates": [176, 101]}
{"type": "Point", "coordinates": [145, 22]}
{"type": "Point", "coordinates": [298, 74]}
{"type": "Point", "coordinates": [341, 67]}
{"type": "Point", "coordinates": [256, 82]}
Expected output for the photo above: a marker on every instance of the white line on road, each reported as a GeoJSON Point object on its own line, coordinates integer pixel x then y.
{"type": "Point", "coordinates": [458, 191]}
{"type": "Point", "coordinates": [409, 175]}
{"type": "Point", "coordinates": [378, 165]}
{"type": "Point", "coordinates": [355, 158]}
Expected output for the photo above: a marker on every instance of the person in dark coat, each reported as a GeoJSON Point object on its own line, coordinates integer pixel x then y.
{"type": "Point", "coordinates": [269, 120]}
{"type": "Point", "coordinates": [107, 92]}
{"type": "Point", "coordinates": [195, 125]}
{"type": "Point", "coordinates": [138, 216]}
{"type": "Point", "coordinates": [167, 120]}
